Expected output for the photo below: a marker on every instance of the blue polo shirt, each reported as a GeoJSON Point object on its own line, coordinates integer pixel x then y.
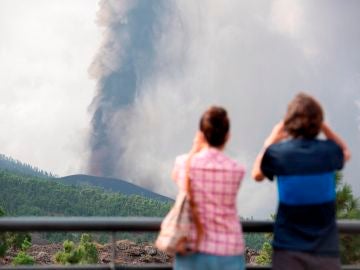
{"type": "Point", "coordinates": [306, 216]}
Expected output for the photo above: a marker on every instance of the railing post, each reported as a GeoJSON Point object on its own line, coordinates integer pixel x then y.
{"type": "Point", "coordinates": [113, 250]}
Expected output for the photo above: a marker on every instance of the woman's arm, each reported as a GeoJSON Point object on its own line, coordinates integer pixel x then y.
{"type": "Point", "coordinates": [331, 135]}
{"type": "Point", "coordinates": [277, 134]}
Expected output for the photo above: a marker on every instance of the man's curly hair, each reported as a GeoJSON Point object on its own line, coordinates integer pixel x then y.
{"type": "Point", "coordinates": [304, 117]}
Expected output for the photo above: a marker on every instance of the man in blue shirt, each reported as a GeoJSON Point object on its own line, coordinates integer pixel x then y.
{"type": "Point", "coordinates": [305, 232]}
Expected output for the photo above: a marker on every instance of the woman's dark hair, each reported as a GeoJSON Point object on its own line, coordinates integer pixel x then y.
{"type": "Point", "coordinates": [215, 125]}
{"type": "Point", "coordinates": [304, 117]}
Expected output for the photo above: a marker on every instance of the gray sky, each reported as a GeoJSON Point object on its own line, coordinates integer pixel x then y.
{"type": "Point", "coordinates": [45, 50]}
{"type": "Point", "coordinates": [249, 56]}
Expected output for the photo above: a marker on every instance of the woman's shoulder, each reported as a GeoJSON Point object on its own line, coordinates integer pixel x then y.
{"type": "Point", "coordinates": [180, 160]}
{"type": "Point", "coordinates": [216, 159]}
{"type": "Point", "coordinates": [232, 162]}
{"type": "Point", "coordinates": [235, 165]}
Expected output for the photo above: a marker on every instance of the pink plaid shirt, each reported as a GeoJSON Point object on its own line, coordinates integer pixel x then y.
{"type": "Point", "coordinates": [215, 181]}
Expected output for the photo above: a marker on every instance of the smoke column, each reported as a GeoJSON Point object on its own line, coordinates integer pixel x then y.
{"type": "Point", "coordinates": [250, 56]}
{"type": "Point", "coordinates": [123, 61]}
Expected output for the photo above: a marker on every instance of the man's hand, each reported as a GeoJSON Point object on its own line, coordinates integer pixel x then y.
{"type": "Point", "coordinates": [277, 134]}
{"type": "Point", "coordinates": [331, 135]}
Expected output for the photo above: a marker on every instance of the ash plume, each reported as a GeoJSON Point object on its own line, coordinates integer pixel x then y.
{"type": "Point", "coordinates": [125, 58]}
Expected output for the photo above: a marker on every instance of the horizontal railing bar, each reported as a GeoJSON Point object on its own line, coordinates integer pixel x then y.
{"type": "Point", "coordinates": [349, 226]}
{"type": "Point", "coordinates": [89, 267]}
{"type": "Point", "coordinates": [79, 224]}
{"type": "Point", "coordinates": [106, 267]}
{"type": "Point", "coordinates": [109, 267]}
{"type": "Point", "coordinates": [257, 226]}
{"type": "Point", "coordinates": [57, 267]}
{"type": "Point", "coordinates": [129, 224]}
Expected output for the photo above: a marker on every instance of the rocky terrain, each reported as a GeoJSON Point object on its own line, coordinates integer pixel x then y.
{"type": "Point", "coordinates": [127, 252]}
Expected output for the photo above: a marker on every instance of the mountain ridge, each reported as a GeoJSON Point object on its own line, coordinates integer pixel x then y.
{"type": "Point", "coordinates": [10, 164]}
{"type": "Point", "coordinates": [111, 184]}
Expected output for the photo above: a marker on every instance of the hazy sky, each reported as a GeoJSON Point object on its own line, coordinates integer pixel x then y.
{"type": "Point", "coordinates": [46, 48]}
{"type": "Point", "coordinates": [250, 56]}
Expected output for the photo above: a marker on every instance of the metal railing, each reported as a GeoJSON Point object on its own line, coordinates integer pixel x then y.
{"type": "Point", "coordinates": [128, 224]}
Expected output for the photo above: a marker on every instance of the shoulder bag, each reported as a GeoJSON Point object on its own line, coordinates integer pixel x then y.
{"type": "Point", "coordinates": [174, 236]}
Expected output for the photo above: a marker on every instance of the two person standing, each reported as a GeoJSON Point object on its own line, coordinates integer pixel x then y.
{"type": "Point", "coordinates": [305, 235]}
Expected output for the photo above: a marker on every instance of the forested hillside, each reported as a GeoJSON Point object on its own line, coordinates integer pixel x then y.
{"type": "Point", "coordinates": [106, 183]}
{"type": "Point", "coordinates": [111, 184]}
{"type": "Point", "coordinates": [8, 163]}
{"type": "Point", "coordinates": [29, 195]}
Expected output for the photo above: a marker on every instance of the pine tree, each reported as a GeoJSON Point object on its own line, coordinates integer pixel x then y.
{"type": "Point", "coordinates": [11, 239]}
{"type": "Point", "coordinates": [3, 242]}
{"type": "Point", "coordinates": [347, 207]}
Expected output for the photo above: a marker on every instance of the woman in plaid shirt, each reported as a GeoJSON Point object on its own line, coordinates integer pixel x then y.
{"type": "Point", "coordinates": [215, 181]}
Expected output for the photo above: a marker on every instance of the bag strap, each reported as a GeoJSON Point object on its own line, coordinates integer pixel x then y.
{"type": "Point", "coordinates": [193, 208]}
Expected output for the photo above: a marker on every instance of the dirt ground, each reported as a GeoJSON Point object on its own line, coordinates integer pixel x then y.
{"type": "Point", "coordinates": [127, 252]}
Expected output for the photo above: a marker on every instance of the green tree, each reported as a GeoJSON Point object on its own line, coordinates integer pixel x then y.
{"type": "Point", "coordinates": [70, 254]}
{"type": "Point", "coordinates": [3, 242]}
{"type": "Point", "coordinates": [88, 250]}
{"type": "Point", "coordinates": [9, 239]}
{"type": "Point", "coordinates": [22, 258]}
{"type": "Point", "coordinates": [347, 207]}
{"type": "Point", "coordinates": [264, 257]}
{"type": "Point", "coordinates": [84, 253]}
